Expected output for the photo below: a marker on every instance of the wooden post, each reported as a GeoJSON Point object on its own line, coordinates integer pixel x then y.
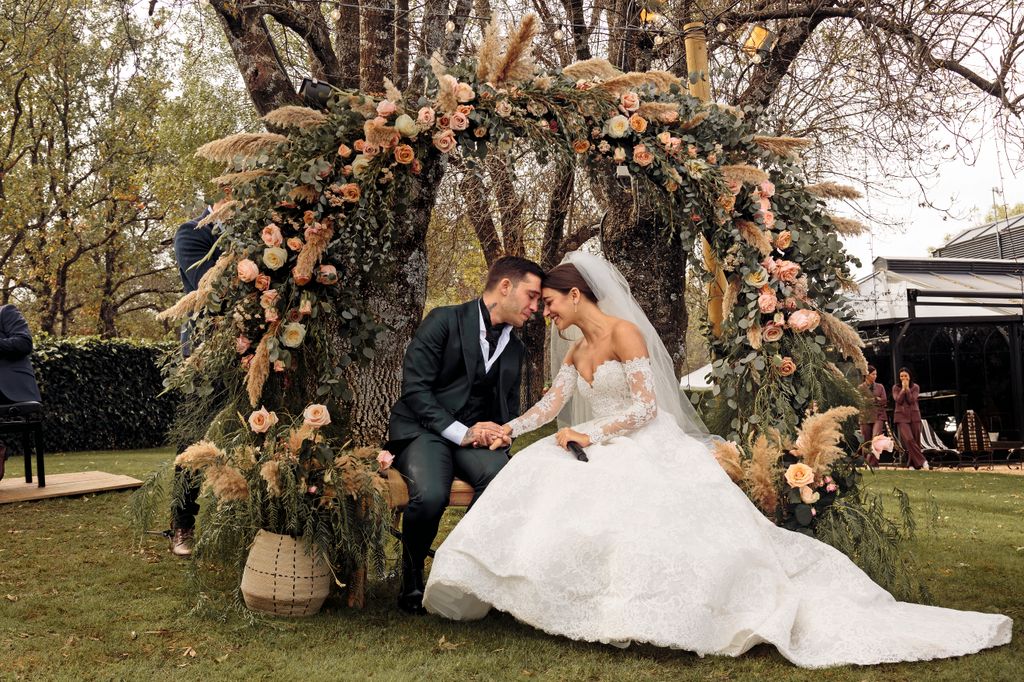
{"type": "Point", "coordinates": [699, 86]}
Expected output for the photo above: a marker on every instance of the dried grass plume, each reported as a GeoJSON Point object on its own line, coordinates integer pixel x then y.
{"type": "Point", "coordinates": [516, 63]}
{"type": "Point", "coordinates": [489, 54]}
{"type": "Point", "coordinates": [295, 117]}
{"type": "Point", "coordinates": [754, 236]}
{"type": "Point", "coordinates": [833, 190]}
{"type": "Point", "coordinates": [592, 69]}
{"type": "Point", "coordinates": [817, 438]}
{"type": "Point", "coordinates": [227, 483]}
{"type": "Point", "coordinates": [744, 173]}
{"type": "Point", "coordinates": [728, 455]}
{"type": "Point", "coordinates": [783, 146]}
{"type": "Point", "coordinates": [199, 455]}
{"type": "Point", "coordinates": [848, 227]}
{"type": "Point", "coordinates": [245, 145]}
{"type": "Point", "coordinates": [845, 338]}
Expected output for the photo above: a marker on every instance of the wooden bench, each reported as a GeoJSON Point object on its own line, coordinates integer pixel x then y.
{"type": "Point", "coordinates": [26, 419]}
{"type": "Point", "coordinates": [398, 499]}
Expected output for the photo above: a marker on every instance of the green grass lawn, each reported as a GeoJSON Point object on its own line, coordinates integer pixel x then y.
{"type": "Point", "coordinates": [78, 601]}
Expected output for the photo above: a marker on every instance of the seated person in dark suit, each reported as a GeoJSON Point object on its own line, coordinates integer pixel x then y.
{"type": "Point", "coordinates": [17, 379]}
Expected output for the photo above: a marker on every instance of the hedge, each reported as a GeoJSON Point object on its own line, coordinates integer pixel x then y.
{"type": "Point", "coordinates": [103, 394]}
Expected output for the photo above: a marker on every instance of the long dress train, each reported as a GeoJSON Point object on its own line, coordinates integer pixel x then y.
{"type": "Point", "coordinates": [650, 541]}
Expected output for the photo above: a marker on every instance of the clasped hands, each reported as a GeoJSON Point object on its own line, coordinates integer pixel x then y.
{"type": "Point", "coordinates": [488, 435]}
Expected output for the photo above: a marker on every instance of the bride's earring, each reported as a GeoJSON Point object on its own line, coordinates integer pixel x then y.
{"type": "Point", "coordinates": [574, 304]}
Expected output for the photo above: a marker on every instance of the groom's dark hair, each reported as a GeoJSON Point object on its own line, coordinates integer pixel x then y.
{"type": "Point", "coordinates": [512, 268]}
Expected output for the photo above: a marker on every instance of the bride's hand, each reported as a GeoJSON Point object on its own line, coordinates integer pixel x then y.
{"type": "Point", "coordinates": [565, 435]}
{"type": "Point", "coordinates": [504, 439]}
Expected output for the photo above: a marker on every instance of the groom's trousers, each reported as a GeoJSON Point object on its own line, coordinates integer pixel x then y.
{"type": "Point", "coordinates": [429, 463]}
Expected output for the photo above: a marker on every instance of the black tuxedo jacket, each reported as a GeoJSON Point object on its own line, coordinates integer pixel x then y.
{"type": "Point", "coordinates": [17, 380]}
{"type": "Point", "coordinates": [439, 367]}
{"type": "Point", "coordinates": [191, 244]}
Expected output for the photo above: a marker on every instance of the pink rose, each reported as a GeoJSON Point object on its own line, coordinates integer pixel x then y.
{"type": "Point", "coordinates": [630, 101]}
{"type": "Point", "coordinates": [344, 151]}
{"type": "Point", "coordinates": [767, 302]}
{"type": "Point", "coordinates": [278, 365]}
{"type": "Point", "coordinates": [263, 282]}
{"type": "Point", "coordinates": [242, 344]}
{"type": "Point", "coordinates": [764, 204]}
{"type": "Point", "coordinates": [459, 121]}
{"type": "Point", "coordinates": [425, 117]}
{"type": "Point", "coordinates": [831, 487]}
{"type": "Point", "coordinates": [808, 496]}
{"type": "Point", "coordinates": [734, 186]}
{"type": "Point", "coordinates": [305, 306]}
{"type": "Point", "coordinates": [786, 270]}
{"type": "Point", "coordinates": [316, 415]}
{"type": "Point", "coordinates": [444, 141]}
{"type": "Point", "coordinates": [370, 149]}
{"type": "Point", "coordinates": [788, 367]}
{"type": "Point", "coordinates": [783, 240]}
{"type": "Point", "coordinates": [272, 235]}
{"type": "Point", "coordinates": [789, 303]}
{"type": "Point", "coordinates": [881, 443]}
{"type": "Point", "coordinates": [294, 243]}
{"type": "Point", "coordinates": [328, 274]}
{"type": "Point", "coordinates": [247, 270]}
{"type": "Point", "coordinates": [246, 361]}
{"type": "Point", "coordinates": [769, 219]}
{"type": "Point", "coordinates": [384, 459]}
{"type": "Point", "coordinates": [443, 121]}
{"type": "Point", "coordinates": [386, 108]}
{"type": "Point", "coordinates": [260, 420]}
{"type": "Point", "coordinates": [271, 315]}
{"type": "Point", "coordinates": [804, 320]}
{"type": "Point", "coordinates": [767, 189]}
{"type": "Point", "coordinates": [771, 332]}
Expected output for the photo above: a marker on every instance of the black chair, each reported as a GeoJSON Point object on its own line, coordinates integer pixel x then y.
{"type": "Point", "coordinates": [26, 419]}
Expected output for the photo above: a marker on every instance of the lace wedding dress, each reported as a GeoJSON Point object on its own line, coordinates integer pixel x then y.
{"type": "Point", "coordinates": [650, 541]}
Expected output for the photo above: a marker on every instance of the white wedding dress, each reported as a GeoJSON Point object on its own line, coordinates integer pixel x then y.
{"type": "Point", "coordinates": [650, 541]}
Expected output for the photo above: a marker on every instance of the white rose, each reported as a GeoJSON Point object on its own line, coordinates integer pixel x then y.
{"type": "Point", "coordinates": [292, 334]}
{"type": "Point", "coordinates": [316, 415]}
{"type": "Point", "coordinates": [359, 164]}
{"type": "Point", "coordinates": [274, 257]}
{"type": "Point", "coordinates": [617, 126]}
{"type": "Point", "coordinates": [406, 126]}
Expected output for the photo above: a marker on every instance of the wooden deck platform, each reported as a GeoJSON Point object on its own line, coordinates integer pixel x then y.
{"type": "Point", "coordinates": [14, 489]}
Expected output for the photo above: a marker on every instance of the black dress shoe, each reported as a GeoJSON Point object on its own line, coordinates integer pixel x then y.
{"type": "Point", "coordinates": [410, 598]}
{"type": "Point", "coordinates": [412, 602]}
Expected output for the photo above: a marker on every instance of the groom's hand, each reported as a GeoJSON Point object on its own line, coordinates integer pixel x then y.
{"type": "Point", "coordinates": [481, 434]}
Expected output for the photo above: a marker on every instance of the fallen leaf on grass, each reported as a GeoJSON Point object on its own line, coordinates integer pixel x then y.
{"type": "Point", "coordinates": [12, 597]}
{"type": "Point", "coordinates": [134, 635]}
{"type": "Point", "coordinates": [189, 651]}
{"type": "Point", "coordinates": [445, 645]}
{"type": "Point", "coordinates": [221, 659]}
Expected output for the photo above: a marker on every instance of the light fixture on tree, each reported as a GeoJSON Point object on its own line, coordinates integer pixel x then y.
{"type": "Point", "coordinates": [449, 28]}
{"type": "Point", "coordinates": [758, 42]}
{"type": "Point", "coordinates": [335, 14]}
{"type": "Point", "coordinates": [558, 35]}
{"type": "Point", "coordinates": [315, 93]}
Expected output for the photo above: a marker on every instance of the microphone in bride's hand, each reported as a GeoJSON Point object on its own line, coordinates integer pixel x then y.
{"type": "Point", "coordinates": [577, 450]}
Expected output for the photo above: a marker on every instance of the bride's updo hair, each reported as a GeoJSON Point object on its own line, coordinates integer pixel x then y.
{"type": "Point", "coordinates": [565, 277]}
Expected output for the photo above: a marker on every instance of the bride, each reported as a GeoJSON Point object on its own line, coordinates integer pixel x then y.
{"type": "Point", "coordinates": [650, 541]}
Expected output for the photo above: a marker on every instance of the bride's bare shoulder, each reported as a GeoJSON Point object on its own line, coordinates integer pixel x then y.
{"type": "Point", "coordinates": [627, 341]}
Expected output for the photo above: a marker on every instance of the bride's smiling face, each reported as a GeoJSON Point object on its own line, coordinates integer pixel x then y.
{"type": "Point", "coordinates": [558, 308]}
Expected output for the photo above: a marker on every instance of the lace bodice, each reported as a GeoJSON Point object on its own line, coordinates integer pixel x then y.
{"type": "Point", "coordinates": [621, 396]}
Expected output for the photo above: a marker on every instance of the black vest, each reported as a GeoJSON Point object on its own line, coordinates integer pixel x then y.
{"type": "Point", "coordinates": [483, 397]}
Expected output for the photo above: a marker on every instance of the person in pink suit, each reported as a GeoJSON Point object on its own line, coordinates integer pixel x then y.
{"type": "Point", "coordinates": [908, 418]}
{"type": "Point", "coordinates": [872, 417]}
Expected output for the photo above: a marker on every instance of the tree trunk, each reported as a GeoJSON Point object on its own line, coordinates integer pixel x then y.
{"type": "Point", "coordinates": [346, 44]}
{"type": "Point", "coordinates": [395, 296]}
{"type": "Point", "coordinates": [376, 44]}
{"type": "Point", "coordinates": [402, 27]}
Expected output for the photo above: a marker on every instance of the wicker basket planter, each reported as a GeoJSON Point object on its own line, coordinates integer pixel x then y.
{"type": "Point", "coordinates": [282, 579]}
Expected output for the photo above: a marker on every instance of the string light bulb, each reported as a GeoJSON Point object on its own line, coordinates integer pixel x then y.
{"type": "Point", "coordinates": [558, 35]}
{"type": "Point", "coordinates": [335, 14]}
{"type": "Point", "coordinates": [449, 28]}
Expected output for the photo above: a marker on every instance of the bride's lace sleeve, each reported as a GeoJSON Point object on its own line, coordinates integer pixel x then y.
{"type": "Point", "coordinates": [547, 408]}
{"type": "Point", "coordinates": [643, 405]}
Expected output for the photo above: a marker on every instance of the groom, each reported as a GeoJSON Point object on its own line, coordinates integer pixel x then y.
{"type": "Point", "coordinates": [460, 381]}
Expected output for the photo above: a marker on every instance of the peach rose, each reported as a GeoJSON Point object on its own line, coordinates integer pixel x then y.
{"type": "Point", "coordinates": [371, 149]}
{"type": "Point", "coordinates": [261, 420]}
{"type": "Point", "coordinates": [344, 151]}
{"type": "Point", "coordinates": [294, 243]}
{"type": "Point", "coordinates": [769, 219]}
{"type": "Point", "coordinates": [459, 121]}
{"type": "Point", "coordinates": [328, 274]}
{"type": "Point", "coordinates": [247, 270]}
{"type": "Point", "coordinates": [503, 108]}
{"type": "Point", "coordinates": [630, 101]}
{"type": "Point", "coordinates": [263, 282]}
{"type": "Point", "coordinates": [279, 365]}
{"type": "Point", "coordinates": [783, 240]}
{"type": "Point", "coordinates": [350, 192]}
{"type": "Point", "coordinates": [444, 141]}
{"type": "Point", "coordinates": [465, 109]}
{"type": "Point", "coordinates": [269, 298]}
{"type": "Point", "coordinates": [664, 137]}
{"type": "Point", "coordinates": [786, 270]}
{"type": "Point", "coordinates": [404, 154]}
{"type": "Point", "coordinates": [642, 156]}
{"type": "Point", "coordinates": [316, 415]}
{"type": "Point", "coordinates": [305, 307]}
{"type": "Point", "coordinates": [425, 117]}
{"type": "Point", "coordinates": [242, 344]}
{"type": "Point", "coordinates": [804, 320]}
{"type": "Point", "coordinates": [788, 367]}
{"type": "Point", "coordinates": [771, 332]}
{"type": "Point", "coordinates": [386, 108]}
{"type": "Point", "coordinates": [799, 475]}
{"type": "Point", "coordinates": [638, 123]}
{"type": "Point", "coordinates": [292, 334]}
{"type": "Point", "coordinates": [360, 145]}
{"type": "Point", "coordinates": [767, 302]}
{"type": "Point", "coordinates": [271, 315]}
{"type": "Point", "coordinates": [384, 459]}
{"type": "Point", "coordinates": [271, 235]}
{"type": "Point", "coordinates": [808, 496]}
{"type": "Point", "coordinates": [480, 131]}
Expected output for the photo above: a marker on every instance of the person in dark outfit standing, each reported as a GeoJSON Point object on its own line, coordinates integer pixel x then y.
{"type": "Point", "coordinates": [192, 251]}
{"type": "Point", "coordinates": [460, 380]}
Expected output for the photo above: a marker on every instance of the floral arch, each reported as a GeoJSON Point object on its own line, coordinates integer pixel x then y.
{"type": "Point", "coordinates": [315, 214]}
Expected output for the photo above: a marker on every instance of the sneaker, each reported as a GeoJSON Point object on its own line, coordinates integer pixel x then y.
{"type": "Point", "coordinates": [926, 467]}
{"type": "Point", "coordinates": [181, 543]}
